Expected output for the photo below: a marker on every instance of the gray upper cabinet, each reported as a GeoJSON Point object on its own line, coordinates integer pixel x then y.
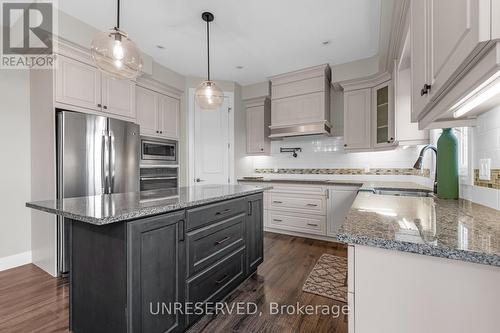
{"type": "Point", "coordinates": [258, 119]}
{"type": "Point", "coordinates": [81, 86]}
{"type": "Point", "coordinates": [157, 254]}
{"type": "Point", "coordinates": [157, 113]}
{"type": "Point", "coordinates": [357, 119]}
{"type": "Point", "coordinates": [300, 102]}
{"type": "Point", "coordinates": [453, 51]}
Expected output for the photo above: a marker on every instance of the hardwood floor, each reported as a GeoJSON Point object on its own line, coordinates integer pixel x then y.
{"type": "Point", "coordinates": [33, 301]}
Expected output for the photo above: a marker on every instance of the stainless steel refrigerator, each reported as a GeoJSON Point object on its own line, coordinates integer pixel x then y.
{"type": "Point", "coordinates": [95, 155]}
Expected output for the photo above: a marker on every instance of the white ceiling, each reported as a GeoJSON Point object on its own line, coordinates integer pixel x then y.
{"type": "Point", "coordinates": [266, 37]}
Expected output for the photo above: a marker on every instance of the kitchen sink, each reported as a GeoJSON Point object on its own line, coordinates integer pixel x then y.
{"type": "Point", "coordinates": [404, 193]}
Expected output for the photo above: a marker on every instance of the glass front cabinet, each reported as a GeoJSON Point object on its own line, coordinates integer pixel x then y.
{"type": "Point", "coordinates": [383, 115]}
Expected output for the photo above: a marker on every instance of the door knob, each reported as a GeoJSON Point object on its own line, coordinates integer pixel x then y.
{"type": "Point", "coordinates": [198, 180]}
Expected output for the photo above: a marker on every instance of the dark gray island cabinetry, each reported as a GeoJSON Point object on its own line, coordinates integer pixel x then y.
{"type": "Point", "coordinates": [145, 272]}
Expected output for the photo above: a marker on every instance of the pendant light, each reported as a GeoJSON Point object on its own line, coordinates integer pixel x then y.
{"type": "Point", "coordinates": [115, 54]}
{"type": "Point", "coordinates": [208, 95]}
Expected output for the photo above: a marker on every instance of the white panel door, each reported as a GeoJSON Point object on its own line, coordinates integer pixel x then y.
{"type": "Point", "coordinates": [118, 97]}
{"type": "Point", "coordinates": [455, 33]}
{"type": "Point", "coordinates": [147, 111]}
{"type": "Point", "coordinates": [211, 145]}
{"type": "Point", "coordinates": [357, 119]}
{"type": "Point", "coordinates": [78, 84]}
{"type": "Point", "coordinates": [168, 116]}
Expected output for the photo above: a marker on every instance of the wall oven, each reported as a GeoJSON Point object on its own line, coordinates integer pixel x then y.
{"type": "Point", "coordinates": [159, 168]}
{"type": "Point", "coordinates": [158, 177]}
{"type": "Point", "coordinates": [158, 151]}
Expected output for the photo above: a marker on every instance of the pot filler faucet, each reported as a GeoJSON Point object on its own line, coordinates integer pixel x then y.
{"type": "Point", "coordinates": [419, 162]}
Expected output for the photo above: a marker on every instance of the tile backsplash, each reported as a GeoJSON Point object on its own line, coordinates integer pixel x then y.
{"type": "Point", "coordinates": [351, 171]}
{"type": "Point", "coordinates": [327, 153]}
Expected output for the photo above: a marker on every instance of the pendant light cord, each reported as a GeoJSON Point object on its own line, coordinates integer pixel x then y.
{"type": "Point", "coordinates": [208, 50]}
{"type": "Point", "coordinates": [118, 15]}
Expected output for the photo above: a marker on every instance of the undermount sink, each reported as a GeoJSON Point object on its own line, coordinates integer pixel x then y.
{"type": "Point", "coordinates": [404, 193]}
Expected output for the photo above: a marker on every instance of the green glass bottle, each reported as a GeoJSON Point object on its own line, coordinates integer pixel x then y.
{"type": "Point", "coordinates": [447, 165]}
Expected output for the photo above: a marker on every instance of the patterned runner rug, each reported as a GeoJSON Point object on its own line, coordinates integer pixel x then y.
{"type": "Point", "coordinates": [328, 278]}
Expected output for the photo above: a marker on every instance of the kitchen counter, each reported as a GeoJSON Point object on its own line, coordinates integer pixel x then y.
{"type": "Point", "coordinates": [363, 185]}
{"type": "Point", "coordinates": [110, 208]}
{"type": "Point", "coordinates": [454, 229]}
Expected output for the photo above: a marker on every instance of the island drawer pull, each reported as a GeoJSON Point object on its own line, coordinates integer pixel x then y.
{"type": "Point", "coordinates": [312, 224]}
{"type": "Point", "coordinates": [223, 240]}
{"type": "Point", "coordinates": [278, 202]}
{"type": "Point", "coordinates": [224, 278]}
{"type": "Point", "coordinates": [312, 205]}
{"type": "Point", "coordinates": [225, 211]}
{"type": "Point", "coordinates": [277, 220]}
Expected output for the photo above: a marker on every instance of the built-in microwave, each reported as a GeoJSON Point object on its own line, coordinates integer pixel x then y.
{"type": "Point", "coordinates": [158, 151]}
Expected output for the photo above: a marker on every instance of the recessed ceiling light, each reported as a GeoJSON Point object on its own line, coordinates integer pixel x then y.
{"type": "Point", "coordinates": [161, 47]}
{"type": "Point", "coordinates": [325, 42]}
{"type": "Point", "coordinates": [239, 67]}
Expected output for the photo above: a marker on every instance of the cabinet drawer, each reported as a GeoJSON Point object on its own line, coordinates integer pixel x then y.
{"type": "Point", "coordinates": [313, 204]}
{"type": "Point", "coordinates": [294, 188]}
{"type": "Point", "coordinates": [298, 222]}
{"type": "Point", "coordinates": [216, 282]}
{"type": "Point", "coordinates": [209, 244]}
{"type": "Point", "coordinates": [202, 216]}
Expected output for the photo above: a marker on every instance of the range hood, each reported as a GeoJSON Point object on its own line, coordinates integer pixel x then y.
{"type": "Point", "coordinates": [300, 130]}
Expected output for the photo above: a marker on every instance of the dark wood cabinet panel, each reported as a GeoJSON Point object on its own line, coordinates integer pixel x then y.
{"type": "Point", "coordinates": [157, 277]}
{"type": "Point", "coordinates": [207, 245]}
{"type": "Point", "coordinates": [255, 232]}
{"type": "Point", "coordinates": [204, 215]}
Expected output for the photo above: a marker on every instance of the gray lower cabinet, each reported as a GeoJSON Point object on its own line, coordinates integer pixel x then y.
{"type": "Point", "coordinates": [254, 232]}
{"type": "Point", "coordinates": [126, 277]}
{"type": "Point", "coordinates": [156, 276]}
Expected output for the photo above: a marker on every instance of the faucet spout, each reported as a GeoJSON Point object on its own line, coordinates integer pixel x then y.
{"type": "Point", "coordinates": [419, 163]}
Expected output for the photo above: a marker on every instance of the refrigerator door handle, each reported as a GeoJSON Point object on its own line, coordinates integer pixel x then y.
{"type": "Point", "coordinates": [105, 163]}
{"type": "Point", "coordinates": [112, 160]}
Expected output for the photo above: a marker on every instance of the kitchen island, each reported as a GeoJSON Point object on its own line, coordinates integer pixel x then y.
{"type": "Point", "coordinates": [140, 262]}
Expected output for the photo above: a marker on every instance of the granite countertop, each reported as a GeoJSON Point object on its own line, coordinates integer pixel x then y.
{"type": "Point", "coordinates": [454, 229]}
{"type": "Point", "coordinates": [109, 208]}
{"type": "Point", "coordinates": [363, 185]}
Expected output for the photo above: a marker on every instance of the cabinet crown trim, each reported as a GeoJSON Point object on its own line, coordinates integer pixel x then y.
{"type": "Point", "coordinates": [365, 82]}
{"type": "Point", "coordinates": [302, 74]}
{"type": "Point", "coordinates": [256, 101]}
{"type": "Point", "coordinates": [159, 87]}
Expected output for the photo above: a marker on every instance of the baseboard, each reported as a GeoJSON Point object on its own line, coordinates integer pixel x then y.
{"type": "Point", "coordinates": [301, 234]}
{"type": "Point", "coordinates": [15, 260]}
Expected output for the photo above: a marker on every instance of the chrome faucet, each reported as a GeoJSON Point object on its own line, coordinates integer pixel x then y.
{"type": "Point", "coordinates": [420, 160]}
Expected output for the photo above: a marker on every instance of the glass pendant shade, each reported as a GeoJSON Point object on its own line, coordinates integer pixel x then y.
{"type": "Point", "coordinates": [116, 55]}
{"type": "Point", "coordinates": [209, 96]}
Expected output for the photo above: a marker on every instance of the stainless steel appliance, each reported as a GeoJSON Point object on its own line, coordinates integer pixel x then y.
{"type": "Point", "coordinates": [158, 177]}
{"type": "Point", "coordinates": [158, 151]}
{"type": "Point", "coordinates": [95, 155]}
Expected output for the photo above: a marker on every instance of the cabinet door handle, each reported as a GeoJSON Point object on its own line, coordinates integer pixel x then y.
{"type": "Point", "coordinates": [99, 105]}
{"type": "Point", "coordinates": [105, 107]}
{"type": "Point", "coordinates": [345, 144]}
{"type": "Point", "coordinates": [278, 202]}
{"type": "Point", "coordinates": [250, 208]}
{"type": "Point", "coordinates": [312, 205]}
{"type": "Point", "coordinates": [425, 90]}
{"type": "Point", "coordinates": [224, 278]}
{"type": "Point", "coordinates": [312, 224]}
{"type": "Point", "coordinates": [225, 211]}
{"type": "Point", "coordinates": [276, 220]}
{"type": "Point", "coordinates": [181, 230]}
{"type": "Point", "coordinates": [223, 240]}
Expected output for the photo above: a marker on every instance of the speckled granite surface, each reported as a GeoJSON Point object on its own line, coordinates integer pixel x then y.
{"type": "Point", "coordinates": [109, 208]}
{"type": "Point", "coordinates": [363, 185]}
{"type": "Point", "coordinates": [454, 229]}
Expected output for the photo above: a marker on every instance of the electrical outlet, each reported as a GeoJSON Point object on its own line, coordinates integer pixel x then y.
{"type": "Point", "coordinates": [485, 169]}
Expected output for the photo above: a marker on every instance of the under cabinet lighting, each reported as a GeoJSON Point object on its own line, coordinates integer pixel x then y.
{"type": "Point", "coordinates": [486, 90]}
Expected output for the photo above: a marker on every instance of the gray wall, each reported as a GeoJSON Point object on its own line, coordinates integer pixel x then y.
{"type": "Point", "coordinates": [15, 228]}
